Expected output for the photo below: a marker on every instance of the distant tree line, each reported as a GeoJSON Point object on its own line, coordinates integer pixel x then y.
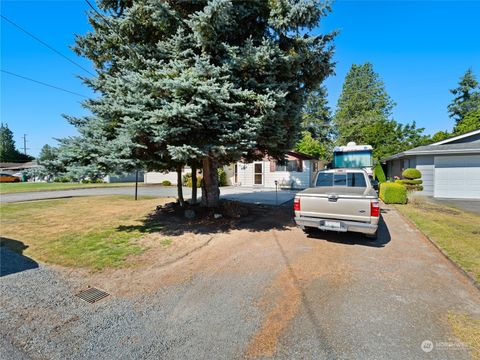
{"type": "Point", "coordinates": [364, 115]}
{"type": "Point", "coordinates": [8, 150]}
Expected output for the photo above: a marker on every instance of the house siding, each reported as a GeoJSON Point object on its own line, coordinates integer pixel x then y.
{"type": "Point", "coordinates": [425, 164]}
{"type": "Point", "coordinates": [300, 180]}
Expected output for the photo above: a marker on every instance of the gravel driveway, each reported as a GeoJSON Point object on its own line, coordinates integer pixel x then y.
{"type": "Point", "coordinates": [268, 291]}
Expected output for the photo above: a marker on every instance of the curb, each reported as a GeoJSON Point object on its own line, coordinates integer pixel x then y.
{"type": "Point", "coordinates": [469, 277]}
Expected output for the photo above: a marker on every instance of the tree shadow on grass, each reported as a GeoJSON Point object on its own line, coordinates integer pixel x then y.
{"type": "Point", "coordinates": [11, 259]}
{"type": "Point", "coordinates": [171, 221]}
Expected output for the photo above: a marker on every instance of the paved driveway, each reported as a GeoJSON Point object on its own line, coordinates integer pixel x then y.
{"type": "Point", "coordinates": [244, 194]}
{"type": "Point", "coordinates": [262, 290]}
{"type": "Point", "coordinates": [463, 204]}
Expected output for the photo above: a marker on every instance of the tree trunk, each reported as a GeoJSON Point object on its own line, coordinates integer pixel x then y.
{"type": "Point", "coordinates": [210, 190]}
{"type": "Point", "coordinates": [181, 201]}
{"type": "Point", "coordinates": [194, 184]}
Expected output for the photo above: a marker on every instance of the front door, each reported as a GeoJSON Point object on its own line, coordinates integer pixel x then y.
{"type": "Point", "coordinates": [258, 173]}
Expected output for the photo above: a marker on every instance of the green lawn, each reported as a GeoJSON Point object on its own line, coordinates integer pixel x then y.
{"type": "Point", "coordinates": [8, 188]}
{"type": "Point", "coordinates": [93, 233]}
{"type": "Point", "coordinates": [456, 231]}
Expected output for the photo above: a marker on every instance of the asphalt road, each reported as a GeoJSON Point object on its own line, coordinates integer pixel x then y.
{"type": "Point", "coordinates": [244, 194]}
{"type": "Point", "coordinates": [261, 290]}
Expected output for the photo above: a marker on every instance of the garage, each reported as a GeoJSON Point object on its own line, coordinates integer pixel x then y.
{"type": "Point", "coordinates": [457, 177]}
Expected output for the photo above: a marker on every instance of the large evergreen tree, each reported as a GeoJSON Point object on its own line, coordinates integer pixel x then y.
{"type": "Point", "coordinates": [8, 151]}
{"type": "Point", "coordinates": [363, 115]}
{"type": "Point", "coordinates": [184, 82]}
{"type": "Point", "coordinates": [467, 97]}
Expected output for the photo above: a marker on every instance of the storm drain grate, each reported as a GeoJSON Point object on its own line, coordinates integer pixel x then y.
{"type": "Point", "coordinates": [92, 295]}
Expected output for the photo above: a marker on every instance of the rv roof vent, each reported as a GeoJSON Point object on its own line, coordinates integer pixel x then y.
{"type": "Point", "coordinates": [352, 143]}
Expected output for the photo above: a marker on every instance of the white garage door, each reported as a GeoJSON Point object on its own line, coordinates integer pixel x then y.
{"type": "Point", "coordinates": [457, 176]}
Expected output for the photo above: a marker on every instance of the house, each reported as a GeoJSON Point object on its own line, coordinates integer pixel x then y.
{"type": "Point", "coordinates": [297, 172]}
{"type": "Point", "coordinates": [450, 168]}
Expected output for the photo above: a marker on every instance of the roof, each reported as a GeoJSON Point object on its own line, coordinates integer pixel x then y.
{"type": "Point", "coordinates": [19, 166]}
{"type": "Point", "coordinates": [301, 156]}
{"type": "Point", "coordinates": [439, 149]}
{"type": "Point", "coordinates": [352, 148]}
{"type": "Point", "coordinates": [455, 138]}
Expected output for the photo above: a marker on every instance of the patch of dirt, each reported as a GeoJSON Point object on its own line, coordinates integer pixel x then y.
{"type": "Point", "coordinates": [195, 246]}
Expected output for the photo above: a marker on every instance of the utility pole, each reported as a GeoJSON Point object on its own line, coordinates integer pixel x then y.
{"type": "Point", "coordinates": [25, 144]}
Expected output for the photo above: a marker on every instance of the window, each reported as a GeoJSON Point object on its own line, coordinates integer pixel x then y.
{"type": "Point", "coordinates": [290, 165]}
{"type": "Point", "coordinates": [325, 179]}
{"type": "Point", "coordinates": [344, 179]}
{"type": "Point", "coordinates": [356, 180]}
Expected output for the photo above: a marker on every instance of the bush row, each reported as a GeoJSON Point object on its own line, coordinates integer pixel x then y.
{"type": "Point", "coordinates": [393, 193]}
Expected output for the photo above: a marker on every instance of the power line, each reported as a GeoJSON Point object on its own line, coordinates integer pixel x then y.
{"type": "Point", "coordinates": [47, 45]}
{"type": "Point", "coordinates": [42, 83]}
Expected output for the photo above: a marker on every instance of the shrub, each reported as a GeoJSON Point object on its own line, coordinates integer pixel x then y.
{"type": "Point", "coordinates": [85, 181]}
{"type": "Point", "coordinates": [166, 183]}
{"type": "Point", "coordinates": [393, 193]}
{"type": "Point", "coordinates": [378, 173]}
{"type": "Point", "coordinates": [222, 177]}
{"type": "Point", "coordinates": [411, 174]}
{"type": "Point", "coordinates": [63, 179]}
{"type": "Point", "coordinates": [187, 180]}
{"type": "Point", "coordinates": [408, 182]}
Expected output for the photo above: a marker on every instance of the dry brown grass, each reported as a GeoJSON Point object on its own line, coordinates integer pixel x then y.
{"type": "Point", "coordinates": [77, 232]}
{"type": "Point", "coordinates": [467, 330]}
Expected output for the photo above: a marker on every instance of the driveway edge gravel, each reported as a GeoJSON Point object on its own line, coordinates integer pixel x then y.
{"type": "Point", "coordinates": [412, 225]}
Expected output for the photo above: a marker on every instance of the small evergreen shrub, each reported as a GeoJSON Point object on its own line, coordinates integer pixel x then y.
{"type": "Point", "coordinates": [410, 179]}
{"type": "Point", "coordinates": [166, 183]}
{"type": "Point", "coordinates": [393, 193]}
{"type": "Point", "coordinates": [411, 174]}
{"type": "Point", "coordinates": [222, 177]}
{"type": "Point", "coordinates": [62, 179]}
{"type": "Point", "coordinates": [408, 182]}
{"type": "Point", "coordinates": [378, 173]}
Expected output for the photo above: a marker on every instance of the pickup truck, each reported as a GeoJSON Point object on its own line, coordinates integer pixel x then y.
{"type": "Point", "coordinates": [342, 200]}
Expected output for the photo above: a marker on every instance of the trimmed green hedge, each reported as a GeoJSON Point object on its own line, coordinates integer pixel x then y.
{"type": "Point", "coordinates": [393, 193]}
{"type": "Point", "coordinates": [166, 183]}
{"type": "Point", "coordinates": [411, 174]}
{"type": "Point", "coordinates": [408, 182]}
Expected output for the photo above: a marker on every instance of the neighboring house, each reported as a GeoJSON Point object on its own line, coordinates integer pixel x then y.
{"type": "Point", "coordinates": [155, 177]}
{"type": "Point", "coordinates": [450, 168]}
{"type": "Point", "coordinates": [12, 168]}
{"type": "Point", "coordinates": [128, 177]}
{"type": "Point", "coordinates": [298, 172]}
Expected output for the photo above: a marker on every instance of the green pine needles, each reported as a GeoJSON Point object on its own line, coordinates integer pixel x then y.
{"type": "Point", "coordinates": [197, 83]}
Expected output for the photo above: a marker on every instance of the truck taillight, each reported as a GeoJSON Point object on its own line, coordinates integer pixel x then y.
{"type": "Point", "coordinates": [296, 204]}
{"type": "Point", "coordinates": [374, 208]}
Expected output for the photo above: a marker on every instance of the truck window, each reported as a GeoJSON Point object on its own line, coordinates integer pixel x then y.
{"type": "Point", "coordinates": [345, 179]}
{"type": "Point", "coordinates": [356, 180]}
{"type": "Point", "coordinates": [325, 179]}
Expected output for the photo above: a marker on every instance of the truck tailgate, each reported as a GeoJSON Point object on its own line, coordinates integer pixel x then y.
{"type": "Point", "coordinates": [336, 203]}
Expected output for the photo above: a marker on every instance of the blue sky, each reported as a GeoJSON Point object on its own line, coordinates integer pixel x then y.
{"type": "Point", "coordinates": [419, 48]}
